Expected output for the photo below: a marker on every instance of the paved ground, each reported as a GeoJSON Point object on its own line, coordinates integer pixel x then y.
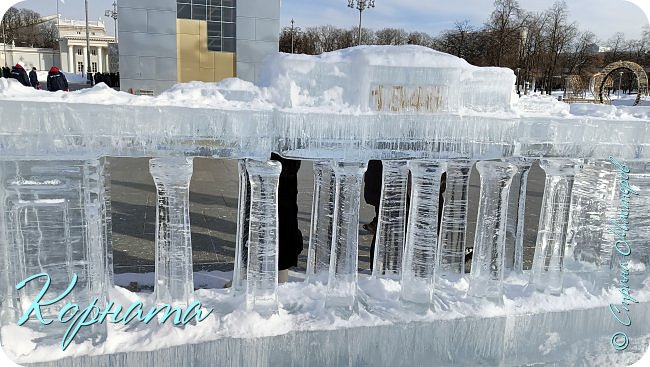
{"type": "Point", "coordinates": [213, 210]}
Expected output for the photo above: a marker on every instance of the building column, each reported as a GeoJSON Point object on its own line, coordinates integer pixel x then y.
{"type": "Point", "coordinates": [70, 59]}
{"type": "Point", "coordinates": [107, 62]}
{"type": "Point", "coordinates": [100, 62]}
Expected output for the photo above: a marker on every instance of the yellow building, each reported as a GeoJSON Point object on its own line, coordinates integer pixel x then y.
{"type": "Point", "coordinates": [163, 42]}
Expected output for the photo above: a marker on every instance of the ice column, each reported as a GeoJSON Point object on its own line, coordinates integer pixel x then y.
{"type": "Point", "coordinates": [107, 220]}
{"type": "Point", "coordinates": [593, 206]}
{"type": "Point", "coordinates": [548, 263]}
{"type": "Point", "coordinates": [51, 223]}
{"type": "Point", "coordinates": [241, 242]}
{"type": "Point", "coordinates": [174, 277]}
{"type": "Point", "coordinates": [322, 215]}
{"type": "Point", "coordinates": [454, 217]}
{"type": "Point", "coordinates": [344, 259]}
{"type": "Point", "coordinates": [490, 239]}
{"type": "Point", "coordinates": [391, 224]}
{"type": "Point", "coordinates": [638, 214]}
{"type": "Point", "coordinates": [419, 260]}
{"type": "Point", "coordinates": [262, 268]}
{"type": "Point", "coordinates": [516, 214]}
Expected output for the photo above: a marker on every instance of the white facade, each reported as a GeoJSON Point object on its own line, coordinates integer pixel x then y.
{"type": "Point", "coordinates": [71, 56]}
{"type": "Point", "coordinates": [40, 58]}
{"type": "Point", "coordinates": [73, 48]}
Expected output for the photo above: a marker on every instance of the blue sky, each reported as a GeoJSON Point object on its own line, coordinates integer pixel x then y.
{"type": "Point", "coordinates": [603, 17]}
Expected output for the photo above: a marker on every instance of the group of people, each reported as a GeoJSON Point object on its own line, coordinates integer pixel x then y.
{"type": "Point", "coordinates": [110, 79]}
{"type": "Point", "coordinates": [56, 80]}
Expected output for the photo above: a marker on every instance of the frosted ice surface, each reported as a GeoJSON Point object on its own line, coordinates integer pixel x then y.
{"type": "Point", "coordinates": [262, 268]}
{"type": "Point", "coordinates": [174, 276]}
{"type": "Point", "coordinates": [391, 223]}
{"type": "Point", "coordinates": [322, 211]}
{"type": "Point", "coordinates": [490, 238]}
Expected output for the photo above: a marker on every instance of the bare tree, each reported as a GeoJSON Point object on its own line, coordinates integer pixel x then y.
{"type": "Point", "coordinates": [504, 26]}
{"type": "Point", "coordinates": [391, 36]}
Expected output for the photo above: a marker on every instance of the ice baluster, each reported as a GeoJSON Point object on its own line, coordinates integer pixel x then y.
{"type": "Point", "coordinates": [593, 206]}
{"type": "Point", "coordinates": [262, 267]}
{"type": "Point", "coordinates": [548, 263]}
{"type": "Point", "coordinates": [453, 225]}
{"type": "Point", "coordinates": [174, 276]}
{"type": "Point", "coordinates": [344, 258]}
{"type": "Point", "coordinates": [54, 227]}
{"type": "Point", "coordinates": [391, 223]}
{"type": "Point", "coordinates": [419, 260]}
{"type": "Point", "coordinates": [107, 219]}
{"type": "Point", "coordinates": [243, 217]}
{"type": "Point", "coordinates": [638, 213]}
{"type": "Point", "coordinates": [490, 239]}
{"type": "Point", "coordinates": [322, 216]}
{"type": "Point", "coordinates": [514, 253]}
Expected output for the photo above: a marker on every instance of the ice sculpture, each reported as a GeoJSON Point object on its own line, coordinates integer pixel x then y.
{"type": "Point", "coordinates": [241, 242]}
{"type": "Point", "coordinates": [262, 268]}
{"type": "Point", "coordinates": [490, 240]}
{"type": "Point", "coordinates": [454, 217]}
{"type": "Point", "coordinates": [410, 107]}
{"type": "Point", "coordinates": [548, 264]}
{"type": "Point", "coordinates": [174, 275]}
{"type": "Point", "coordinates": [322, 212]}
{"type": "Point", "coordinates": [391, 223]}
{"type": "Point", "coordinates": [52, 223]}
{"type": "Point", "coordinates": [593, 208]}
{"type": "Point", "coordinates": [514, 254]}
{"type": "Point", "coordinates": [419, 259]}
{"type": "Point", "coordinates": [344, 256]}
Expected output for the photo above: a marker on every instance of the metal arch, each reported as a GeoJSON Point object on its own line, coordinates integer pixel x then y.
{"type": "Point", "coordinates": [640, 74]}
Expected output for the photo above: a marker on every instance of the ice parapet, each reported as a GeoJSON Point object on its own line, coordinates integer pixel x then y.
{"type": "Point", "coordinates": [419, 111]}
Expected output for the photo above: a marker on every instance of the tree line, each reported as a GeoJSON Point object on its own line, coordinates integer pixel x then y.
{"type": "Point", "coordinates": [540, 46]}
{"type": "Point", "coordinates": [25, 28]}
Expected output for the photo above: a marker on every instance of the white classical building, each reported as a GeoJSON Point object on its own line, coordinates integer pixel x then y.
{"type": "Point", "coordinates": [72, 43]}
{"type": "Point", "coordinates": [71, 56]}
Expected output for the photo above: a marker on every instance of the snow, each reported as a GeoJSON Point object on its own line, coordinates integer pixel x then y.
{"type": "Point", "coordinates": [302, 309]}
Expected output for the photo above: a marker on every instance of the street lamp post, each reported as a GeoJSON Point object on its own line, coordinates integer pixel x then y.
{"type": "Point", "coordinates": [292, 40]}
{"type": "Point", "coordinates": [89, 75]}
{"type": "Point", "coordinates": [113, 14]}
{"type": "Point", "coordinates": [361, 5]}
{"type": "Point", "coordinates": [620, 78]}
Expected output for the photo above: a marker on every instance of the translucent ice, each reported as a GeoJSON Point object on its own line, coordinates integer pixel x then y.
{"type": "Point", "coordinates": [174, 276]}
{"type": "Point", "coordinates": [548, 263]}
{"type": "Point", "coordinates": [419, 260]}
{"type": "Point", "coordinates": [454, 217]}
{"type": "Point", "coordinates": [391, 223]}
{"type": "Point", "coordinates": [322, 216]}
{"type": "Point", "coordinates": [262, 268]}
{"type": "Point", "coordinates": [344, 256]}
{"type": "Point", "coordinates": [490, 240]}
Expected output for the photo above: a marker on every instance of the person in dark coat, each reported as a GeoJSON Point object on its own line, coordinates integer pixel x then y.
{"type": "Point", "coordinates": [56, 80]}
{"type": "Point", "coordinates": [19, 73]}
{"type": "Point", "coordinates": [33, 79]}
{"type": "Point", "coordinates": [6, 72]}
{"type": "Point", "coordinates": [290, 237]}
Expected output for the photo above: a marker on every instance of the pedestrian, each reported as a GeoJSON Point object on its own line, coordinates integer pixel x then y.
{"type": "Point", "coordinates": [56, 80]}
{"type": "Point", "coordinates": [33, 79]}
{"type": "Point", "coordinates": [18, 72]}
{"type": "Point", "coordinates": [290, 237]}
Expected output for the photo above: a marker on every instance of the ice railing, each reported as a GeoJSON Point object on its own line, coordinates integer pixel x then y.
{"type": "Point", "coordinates": [55, 214]}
